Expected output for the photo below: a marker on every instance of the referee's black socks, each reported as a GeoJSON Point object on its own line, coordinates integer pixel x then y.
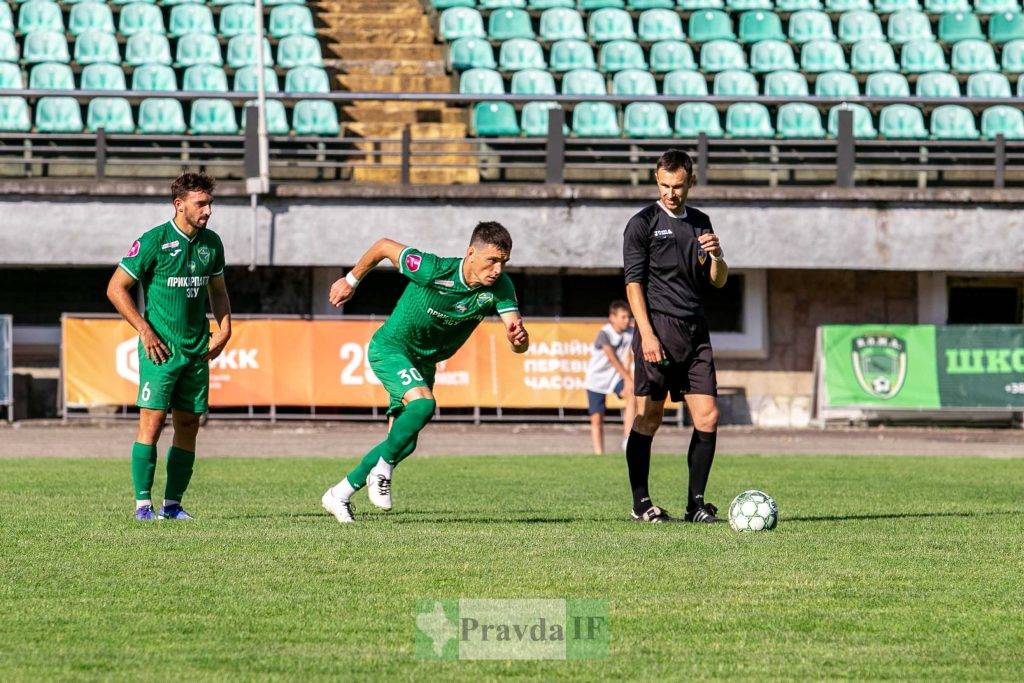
{"type": "Point", "coordinates": [699, 457]}
{"type": "Point", "coordinates": [638, 461]}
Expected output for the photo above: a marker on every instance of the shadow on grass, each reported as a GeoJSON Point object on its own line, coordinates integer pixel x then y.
{"type": "Point", "coordinates": [894, 515]}
{"type": "Point", "coordinates": [438, 516]}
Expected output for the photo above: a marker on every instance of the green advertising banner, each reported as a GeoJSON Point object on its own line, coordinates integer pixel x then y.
{"type": "Point", "coordinates": [980, 365]}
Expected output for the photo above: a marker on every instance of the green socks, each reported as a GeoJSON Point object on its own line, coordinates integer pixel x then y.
{"type": "Point", "coordinates": [143, 468]}
{"type": "Point", "coordinates": [179, 472]}
{"type": "Point", "coordinates": [399, 444]}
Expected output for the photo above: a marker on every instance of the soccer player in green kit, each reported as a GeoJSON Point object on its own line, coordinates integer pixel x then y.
{"type": "Point", "coordinates": [178, 264]}
{"type": "Point", "coordinates": [443, 303]}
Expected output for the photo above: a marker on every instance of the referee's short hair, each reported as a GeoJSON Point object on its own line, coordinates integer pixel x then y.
{"type": "Point", "coordinates": [494, 233]}
{"type": "Point", "coordinates": [674, 159]}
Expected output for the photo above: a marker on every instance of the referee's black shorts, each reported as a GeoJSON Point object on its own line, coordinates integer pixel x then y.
{"type": "Point", "coordinates": [690, 368]}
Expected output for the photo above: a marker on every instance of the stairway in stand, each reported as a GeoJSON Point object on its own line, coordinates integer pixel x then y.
{"type": "Point", "coordinates": [388, 46]}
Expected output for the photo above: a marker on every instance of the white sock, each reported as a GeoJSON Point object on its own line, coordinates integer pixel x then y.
{"type": "Point", "coordinates": [142, 503]}
{"type": "Point", "coordinates": [382, 467]}
{"type": "Point", "coordinates": [168, 501]}
{"type": "Point", "coordinates": [342, 490]}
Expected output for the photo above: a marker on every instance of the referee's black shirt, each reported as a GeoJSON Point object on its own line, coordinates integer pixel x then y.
{"type": "Point", "coordinates": [662, 253]}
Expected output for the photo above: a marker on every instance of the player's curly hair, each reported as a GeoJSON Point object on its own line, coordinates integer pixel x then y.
{"type": "Point", "coordinates": [674, 159]}
{"type": "Point", "coordinates": [191, 181]}
{"type": "Point", "coordinates": [493, 233]}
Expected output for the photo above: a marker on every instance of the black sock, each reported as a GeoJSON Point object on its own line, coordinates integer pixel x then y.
{"type": "Point", "coordinates": [699, 457]}
{"type": "Point", "coordinates": [638, 461]}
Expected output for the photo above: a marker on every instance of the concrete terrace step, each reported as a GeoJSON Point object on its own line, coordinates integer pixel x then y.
{"type": "Point", "coordinates": [370, 51]}
{"type": "Point", "coordinates": [396, 84]}
{"type": "Point", "coordinates": [383, 36]}
{"type": "Point", "coordinates": [392, 67]}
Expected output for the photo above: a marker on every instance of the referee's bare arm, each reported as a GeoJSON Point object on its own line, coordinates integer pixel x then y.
{"type": "Point", "coordinates": [635, 262]}
{"type": "Point", "coordinates": [719, 268]}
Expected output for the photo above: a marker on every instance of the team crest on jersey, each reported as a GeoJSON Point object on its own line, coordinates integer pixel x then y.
{"type": "Point", "coordinates": [461, 307]}
{"type": "Point", "coordinates": [484, 298]}
{"type": "Point", "coordinates": [204, 254]}
{"type": "Point", "coordinates": [412, 262]}
{"type": "Point", "coordinates": [133, 250]}
{"type": "Point", "coordinates": [701, 256]}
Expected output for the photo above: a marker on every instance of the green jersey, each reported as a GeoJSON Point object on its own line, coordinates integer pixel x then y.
{"type": "Point", "coordinates": [438, 311]}
{"type": "Point", "coordinates": [174, 272]}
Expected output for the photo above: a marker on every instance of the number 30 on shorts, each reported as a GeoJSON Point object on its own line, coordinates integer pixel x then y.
{"type": "Point", "coordinates": [407, 376]}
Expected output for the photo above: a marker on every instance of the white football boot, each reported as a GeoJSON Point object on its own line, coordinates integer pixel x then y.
{"type": "Point", "coordinates": [378, 485]}
{"type": "Point", "coordinates": [341, 509]}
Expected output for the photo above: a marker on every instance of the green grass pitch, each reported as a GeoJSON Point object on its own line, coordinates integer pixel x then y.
{"type": "Point", "coordinates": [906, 568]}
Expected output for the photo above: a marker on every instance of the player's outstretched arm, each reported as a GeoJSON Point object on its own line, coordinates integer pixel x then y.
{"type": "Point", "coordinates": [517, 335]}
{"type": "Point", "coordinates": [119, 293]}
{"type": "Point", "coordinates": [344, 287]}
{"type": "Point", "coordinates": [220, 304]}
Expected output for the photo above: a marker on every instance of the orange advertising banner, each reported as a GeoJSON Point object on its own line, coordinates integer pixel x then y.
{"type": "Point", "coordinates": [324, 363]}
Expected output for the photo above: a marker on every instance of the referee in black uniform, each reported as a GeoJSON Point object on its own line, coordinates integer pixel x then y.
{"type": "Point", "coordinates": [671, 256]}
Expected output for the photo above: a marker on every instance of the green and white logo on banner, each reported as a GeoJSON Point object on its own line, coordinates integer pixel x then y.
{"type": "Point", "coordinates": [880, 364]}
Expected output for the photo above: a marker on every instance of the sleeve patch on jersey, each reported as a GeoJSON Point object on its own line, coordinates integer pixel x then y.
{"type": "Point", "coordinates": [133, 250]}
{"type": "Point", "coordinates": [412, 262]}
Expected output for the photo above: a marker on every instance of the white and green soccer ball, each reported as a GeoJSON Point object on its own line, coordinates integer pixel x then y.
{"type": "Point", "coordinates": [753, 510]}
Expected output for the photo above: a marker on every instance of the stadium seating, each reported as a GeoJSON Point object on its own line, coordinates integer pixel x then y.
{"type": "Point", "coordinates": [671, 55]}
{"type": "Point", "coordinates": [1013, 57]}
{"type": "Point", "coordinates": [684, 82]}
{"type": "Point", "coordinates": [533, 82]}
{"type": "Point", "coordinates": [310, 80]}
{"type": "Point", "coordinates": [102, 77]}
{"type": "Point", "coordinates": [660, 24]}
{"type": "Point", "coordinates": [471, 53]}
{"type": "Point", "coordinates": [988, 84]}
{"type": "Point", "coordinates": [95, 47]}
{"type": "Point", "coordinates": [720, 55]}
{"type": "Point", "coordinates": [694, 118]}
{"type": "Point", "coordinates": [147, 48]}
{"type": "Point", "coordinates": [902, 122]}
{"type": "Point", "coordinates": [958, 26]}
{"type": "Point", "coordinates": [481, 82]}
{"type": "Point", "coordinates": [204, 78]}
{"type": "Point", "coordinates": [11, 76]}
{"type": "Point", "coordinates": [246, 77]}
{"type": "Point", "coordinates": [610, 24]}
{"type": "Point", "coordinates": [922, 56]}
{"type": "Point", "coordinates": [819, 56]}
{"type": "Point", "coordinates": [972, 56]}
{"type": "Point", "coordinates": [786, 84]}
{"type": "Point", "coordinates": [154, 77]}
{"type": "Point", "coordinates": [212, 117]}
{"type": "Point", "coordinates": [734, 83]}
{"type": "Point", "coordinates": [8, 47]}
{"type": "Point", "coordinates": [45, 46]}
{"type": "Point", "coordinates": [277, 119]}
{"type": "Point", "coordinates": [90, 16]}
{"type": "Point", "coordinates": [748, 120]}
{"type": "Point", "coordinates": [836, 84]}
{"type": "Point", "coordinates": [807, 25]}
{"type": "Point", "coordinates": [634, 82]}
{"type": "Point", "coordinates": [560, 23]}
{"type": "Point", "coordinates": [1006, 26]}
{"type": "Point", "coordinates": [187, 19]}
{"type": "Point", "coordinates": [567, 55]}
{"type": "Point", "coordinates": [863, 126]}
{"type": "Point", "coordinates": [58, 115]}
{"type": "Point", "coordinates": [315, 117]}
{"type": "Point", "coordinates": [290, 20]}
{"type": "Point", "coordinates": [14, 115]}
{"type": "Point", "coordinates": [646, 120]}
{"type": "Point", "coordinates": [799, 120]}
{"type": "Point", "coordinates": [886, 84]}
{"type": "Point", "coordinates": [583, 82]}
{"type": "Point", "coordinates": [6, 17]}
{"type": "Point", "coordinates": [595, 119]}
{"type": "Point", "coordinates": [1002, 120]}
{"type": "Point", "coordinates": [509, 23]}
{"type": "Point", "coordinates": [621, 54]}
{"type": "Point", "coordinates": [161, 116]}
{"type": "Point", "coordinates": [953, 122]}
{"type": "Point", "coordinates": [139, 17]}
{"type": "Point", "coordinates": [112, 114]}
{"type": "Point", "coordinates": [297, 50]}
{"type": "Point", "coordinates": [758, 25]}
{"type": "Point", "coordinates": [521, 53]}
{"type": "Point", "coordinates": [937, 85]}
{"type": "Point", "coordinates": [40, 15]}
{"type": "Point", "coordinates": [237, 19]}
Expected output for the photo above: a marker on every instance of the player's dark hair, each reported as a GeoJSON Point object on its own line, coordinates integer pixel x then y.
{"type": "Point", "coordinates": [192, 182]}
{"type": "Point", "coordinates": [674, 159]}
{"type": "Point", "coordinates": [493, 233]}
{"type": "Point", "coordinates": [618, 305]}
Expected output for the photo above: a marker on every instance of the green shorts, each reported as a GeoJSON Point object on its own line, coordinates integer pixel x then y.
{"type": "Point", "coordinates": [399, 372]}
{"type": "Point", "coordinates": [181, 382]}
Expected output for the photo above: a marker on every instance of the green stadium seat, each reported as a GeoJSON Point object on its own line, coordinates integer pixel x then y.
{"type": "Point", "coordinates": [161, 116]}
{"type": "Point", "coordinates": [277, 119]}
{"type": "Point", "coordinates": [1002, 120]}
{"type": "Point", "coordinates": [923, 56]}
{"type": "Point", "coordinates": [45, 46]}
{"type": "Point", "coordinates": [281, 2]}
{"type": "Point", "coordinates": [90, 16]}
{"type": "Point", "coordinates": [521, 53]}
{"type": "Point", "coordinates": [749, 5]}
{"type": "Point", "coordinates": [719, 55]}
{"type": "Point", "coordinates": [708, 25]}
{"type": "Point", "coordinates": [733, 83]}
{"type": "Point", "coordinates": [197, 48]}
{"type": "Point", "coordinates": [847, 5]}
{"type": "Point", "coordinates": [51, 77]}
{"type": "Point", "coordinates": [502, 4]}
{"type": "Point", "coordinates": [634, 82]}
{"type": "Point", "coordinates": [869, 56]}
{"type": "Point", "coordinates": [937, 84]}
{"type": "Point", "coordinates": [748, 120]}
{"type": "Point", "coordinates": [583, 82]}
{"type": "Point", "coordinates": [6, 17]}
{"type": "Point", "coordinates": [908, 25]}
{"type": "Point", "coordinates": [171, 3]}
{"type": "Point", "coordinates": [560, 23]}
{"type": "Point", "coordinates": [696, 5]}
{"type": "Point", "coordinates": [860, 25]}
{"type": "Point", "coordinates": [591, 5]}
{"type": "Point", "coordinates": [885, 84]}
{"type": "Point", "coordinates": [538, 5]}
{"type": "Point", "coordinates": [187, 19]}
{"type": "Point", "coordinates": [58, 115]}
{"type": "Point", "coordinates": [621, 54]}
{"type": "Point", "coordinates": [293, 51]}
{"type": "Point", "coordinates": [809, 24]}
{"type": "Point", "coordinates": [112, 114]}
{"type": "Point", "coordinates": [445, 4]}
{"type": "Point", "coordinates": [481, 82]}
{"type": "Point", "coordinates": [957, 26]}
{"type": "Point", "coordinates": [154, 77]}
{"type": "Point", "coordinates": [890, 6]}
{"type": "Point", "coordinates": [971, 56]}
{"type": "Point", "coordinates": [799, 120]}
{"type": "Point", "coordinates": [509, 23]}
{"type": "Point", "coordinates": [471, 53]}
{"type": "Point", "coordinates": [643, 5]}
{"type": "Point", "coordinates": [1013, 57]}
{"type": "Point", "coordinates": [786, 84]}
{"type": "Point", "coordinates": [204, 78]}
{"type": "Point", "coordinates": [988, 84]}
{"type": "Point", "coordinates": [315, 117]}
{"type": "Point", "coordinates": [995, 6]}
{"type": "Point", "coordinates": [901, 122]}
{"type": "Point", "coordinates": [646, 120]}
{"type": "Point", "coordinates": [238, 19]}
{"type": "Point", "coordinates": [213, 117]}
{"type": "Point", "coordinates": [1005, 26]}
{"type": "Point", "coordinates": [94, 47]}
{"type": "Point", "coordinates": [771, 55]}
{"type": "Point", "coordinates": [760, 25]}
{"type": "Point", "coordinates": [953, 122]}
{"type": "Point", "coordinates": [660, 24]}
{"type": "Point", "coordinates": [241, 51]}
{"type": "Point", "coordinates": [291, 20]}
{"type": "Point", "coordinates": [40, 15]}
{"type": "Point", "coordinates": [458, 22]}
{"type": "Point", "coordinates": [819, 56]}
{"type": "Point", "coordinates": [684, 82]}
{"type": "Point", "coordinates": [8, 47]}
{"type": "Point", "coordinates": [863, 126]}
{"type": "Point", "coordinates": [943, 6]}
{"type": "Point", "coordinates": [11, 77]}
{"type": "Point", "coordinates": [14, 116]}
{"type": "Point", "coordinates": [671, 55]}
{"type": "Point", "coordinates": [495, 119]}
{"type": "Point", "coordinates": [610, 24]}
{"type": "Point", "coordinates": [568, 55]}
{"type": "Point", "coordinates": [245, 79]}
{"type": "Point", "coordinates": [836, 84]}
{"type": "Point", "coordinates": [595, 120]}
{"type": "Point", "coordinates": [533, 82]}
{"type": "Point", "coordinates": [797, 5]}
{"type": "Point", "coordinates": [694, 118]}
{"type": "Point", "coordinates": [102, 77]}
{"type": "Point", "coordinates": [139, 17]}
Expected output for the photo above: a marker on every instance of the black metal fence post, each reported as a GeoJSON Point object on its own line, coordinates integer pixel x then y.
{"type": "Point", "coordinates": [555, 171]}
{"type": "Point", "coordinates": [101, 152]}
{"type": "Point", "coordinates": [845, 149]}
{"type": "Point", "coordinates": [702, 158]}
{"type": "Point", "coordinates": [1000, 161]}
{"type": "Point", "coordinates": [406, 154]}
{"type": "Point", "coordinates": [252, 141]}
